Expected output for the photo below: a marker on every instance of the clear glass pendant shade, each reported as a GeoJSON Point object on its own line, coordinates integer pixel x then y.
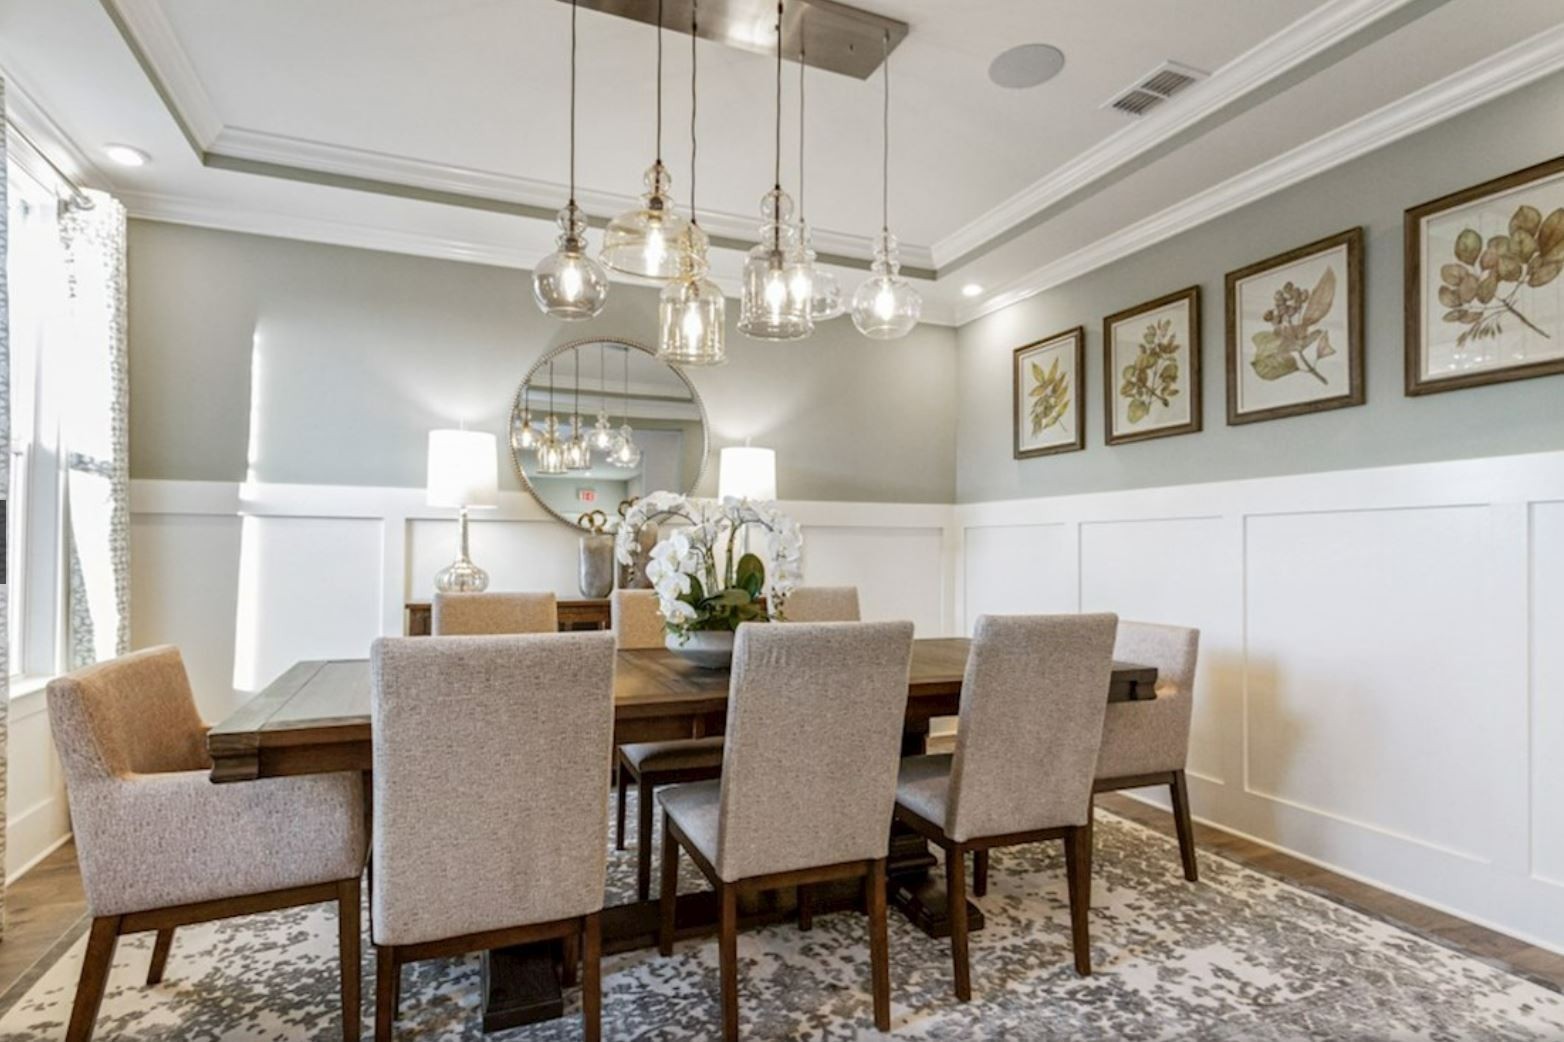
{"type": "Point", "coordinates": [692, 317]}
{"type": "Point", "coordinates": [601, 437]}
{"type": "Point", "coordinates": [551, 453]}
{"type": "Point", "coordinates": [776, 302]}
{"type": "Point", "coordinates": [651, 242]}
{"type": "Point", "coordinates": [568, 284]}
{"type": "Point", "coordinates": [578, 456]}
{"type": "Point", "coordinates": [886, 306]}
{"type": "Point", "coordinates": [626, 454]}
{"type": "Point", "coordinates": [523, 435]}
{"type": "Point", "coordinates": [825, 292]}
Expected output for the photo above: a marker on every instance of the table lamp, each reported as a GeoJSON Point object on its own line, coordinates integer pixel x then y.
{"type": "Point", "coordinates": [463, 473]}
{"type": "Point", "coordinates": [747, 473]}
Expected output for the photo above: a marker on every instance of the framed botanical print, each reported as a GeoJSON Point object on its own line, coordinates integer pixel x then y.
{"type": "Point", "coordinates": [1295, 331]}
{"type": "Point", "coordinates": [1484, 297]}
{"type": "Point", "coordinates": [1151, 368]}
{"type": "Point", "coordinates": [1049, 381]}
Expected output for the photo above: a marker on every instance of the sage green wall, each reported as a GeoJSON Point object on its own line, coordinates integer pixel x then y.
{"type": "Point", "coordinates": [1525, 416]}
{"type": "Point", "coordinates": [356, 354]}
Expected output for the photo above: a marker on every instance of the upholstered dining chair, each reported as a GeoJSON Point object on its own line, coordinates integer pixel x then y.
{"type": "Point", "coordinates": [1031, 718]}
{"type": "Point", "coordinates": [471, 614]}
{"type": "Point", "coordinates": [507, 844]}
{"type": "Point", "coordinates": [160, 846]}
{"type": "Point", "coordinates": [808, 782]}
{"type": "Point", "coordinates": [676, 761]}
{"type": "Point", "coordinates": [636, 619]}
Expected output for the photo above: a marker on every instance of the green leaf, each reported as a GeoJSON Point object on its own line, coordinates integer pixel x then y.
{"type": "Point", "coordinates": [1320, 299]}
{"type": "Point", "coordinates": [1138, 410]}
{"type": "Point", "coordinates": [1550, 236]}
{"type": "Point", "coordinates": [750, 574]}
{"type": "Point", "coordinates": [1467, 246]}
{"type": "Point", "coordinates": [1527, 220]}
{"type": "Point", "coordinates": [732, 597]}
{"type": "Point", "coordinates": [1273, 356]}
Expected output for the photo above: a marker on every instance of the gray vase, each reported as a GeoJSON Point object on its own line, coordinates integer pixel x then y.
{"type": "Point", "coordinates": [633, 576]}
{"type": "Point", "coordinates": [708, 649]}
{"type": "Point", "coordinates": [597, 566]}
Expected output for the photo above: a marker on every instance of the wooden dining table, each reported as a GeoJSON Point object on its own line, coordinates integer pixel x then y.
{"type": "Point", "coordinates": [314, 719]}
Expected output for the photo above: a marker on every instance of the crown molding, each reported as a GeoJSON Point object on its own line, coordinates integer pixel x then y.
{"type": "Point", "coordinates": [1481, 82]}
{"type": "Point", "coordinates": [156, 46]}
{"type": "Point", "coordinates": [1267, 61]}
{"type": "Point", "coordinates": [44, 135]}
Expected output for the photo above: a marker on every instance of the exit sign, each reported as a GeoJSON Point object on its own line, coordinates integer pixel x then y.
{"type": "Point", "coordinates": [586, 495]}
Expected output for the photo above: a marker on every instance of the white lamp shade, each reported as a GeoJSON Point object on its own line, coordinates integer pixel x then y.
{"type": "Point", "coordinates": [747, 473]}
{"type": "Point", "coordinates": [463, 469]}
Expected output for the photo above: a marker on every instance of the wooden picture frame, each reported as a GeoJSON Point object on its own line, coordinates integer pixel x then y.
{"type": "Point", "coordinates": [1487, 212]}
{"type": "Point", "coordinates": [1067, 350]}
{"type": "Point", "coordinates": [1167, 342]}
{"type": "Point", "coordinates": [1282, 388]}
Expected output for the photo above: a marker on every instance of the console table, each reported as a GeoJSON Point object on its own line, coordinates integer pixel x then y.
{"type": "Point", "coordinates": [573, 615]}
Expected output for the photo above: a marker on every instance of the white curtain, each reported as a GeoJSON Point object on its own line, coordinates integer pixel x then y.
{"type": "Point", "coordinates": [93, 434]}
{"type": "Point", "coordinates": [5, 476]}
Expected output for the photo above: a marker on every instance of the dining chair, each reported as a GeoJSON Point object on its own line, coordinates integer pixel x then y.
{"type": "Point", "coordinates": [161, 846]}
{"type": "Point", "coordinates": [1031, 718]}
{"type": "Point", "coordinates": [636, 619]}
{"type": "Point", "coordinates": [677, 761]}
{"type": "Point", "coordinates": [491, 813]}
{"type": "Point", "coordinates": [493, 614]}
{"type": "Point", "coordinates": [815, 713]}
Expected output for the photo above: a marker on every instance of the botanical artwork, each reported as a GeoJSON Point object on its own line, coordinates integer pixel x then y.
{"type": "Point", "coordinates": [1049, 398]}
{"type": "Point", "coordinates": [1485, 300]}
{"type": "Point", "coordinates": [1151, 358]}
{"type": "Point", "coordinates": [1294, 331]}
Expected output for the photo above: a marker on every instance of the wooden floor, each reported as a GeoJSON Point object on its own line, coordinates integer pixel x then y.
{"type": "Point", "coordinates": [46, 911]}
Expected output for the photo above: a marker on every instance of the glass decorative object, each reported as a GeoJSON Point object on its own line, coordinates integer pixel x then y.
{"type": "Point", "coordinates": [601, 438]}
{"type": "Point", "coordinates": [626, 454]}
{"type": "Point", "coordinates": [886, 306]}
{"type": "Point", "coordinates": [568, 284]}
{"type": "Point", "coordinates": [825, 292]}
{"type": "Point", "coordinates": [771, 308]}
{"type": "Point", "coordinates": [650, 242]}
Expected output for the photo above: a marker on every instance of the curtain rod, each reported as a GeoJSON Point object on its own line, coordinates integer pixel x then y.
{"type": "Point", "coordinates": [79, 198]}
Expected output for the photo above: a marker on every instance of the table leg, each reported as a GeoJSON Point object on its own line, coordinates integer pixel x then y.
{"type": "Point", "coordinates": [915, 889]}
{"type": "Point", "coordinates": [520, 985]}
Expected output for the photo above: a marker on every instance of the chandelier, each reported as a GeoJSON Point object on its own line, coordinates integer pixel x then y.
{"type": "Point", "coordinates": [886, 306]}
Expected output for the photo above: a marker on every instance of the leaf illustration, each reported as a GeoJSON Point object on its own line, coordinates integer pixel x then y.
{"type": "Point", "coordinates": [1274, 357]}
{"type": "Point", "coordinates": [1320, 299]}
{"type": "Point", "coordinates": [1484, 290]}
{"type": "Point", "coordinates": [1467, 246]}
{"type": "Point", "coordinates": [1550, 237]}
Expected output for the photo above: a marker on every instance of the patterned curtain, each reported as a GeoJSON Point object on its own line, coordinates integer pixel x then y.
{"type": "Point", "coordinates": [5, 477]}
{"type": "Point", "coordinates": [93, 432]}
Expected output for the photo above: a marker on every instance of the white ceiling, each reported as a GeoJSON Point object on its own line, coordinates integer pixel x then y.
{"type": "Point", "coordinates": [467, 98]}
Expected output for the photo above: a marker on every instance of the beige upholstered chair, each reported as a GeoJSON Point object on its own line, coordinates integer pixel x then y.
{"type": "Point", "coordinates": [815, 714]}
{"type": "Point", "coordinates": [161, 846]}
{"type": "Point", "coordinates": [509, 845]}
{"type": "Point", "coordinates": [1032, 707]}
{"type": "Point", "coordinates": [648, 765]}
{"type": "Point", "coordinates": [822, 604]}
{"type": "Point", "coordinates": [636, 618]}
{"type": "Point", "coordinates": [1147, 742]}
{"type": "Point", "coordinates": [469, 614]}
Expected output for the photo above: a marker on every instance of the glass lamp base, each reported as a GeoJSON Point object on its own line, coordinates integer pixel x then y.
{"type": "Point", "coordinates": [462, 576]}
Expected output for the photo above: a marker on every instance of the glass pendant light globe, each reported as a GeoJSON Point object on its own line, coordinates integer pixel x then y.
{"type": "Point", "coordinates": [523, 435]}
{"type": "Point", "coordinates": [550, 451]}
{"type": "Point", "coordinates": [771, 308]}
{"type": "Point", "coordinates": [692, 318]}
{"type": "Point", "coordinates": [886, 306]}
{"type": "Point", "coordinates": [578, 456]}
{"type": "Point", "coordinates": [568, 284]}
{"type": "Point", "coordinates": [626, 454]}
{"type": "Point", "coordinates": [601, 437]}
{"type": "Point", "coordinates": [825, 292]}
{"type": "Point", "coordinates": [650, 242]}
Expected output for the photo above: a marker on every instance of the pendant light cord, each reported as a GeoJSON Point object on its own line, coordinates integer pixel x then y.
{"type": "Point", "coordinates": [802, 65]}
{"type": "Point", "coordinates": [779, 96]}
{"type": "Point", "coordinates": [602, 378]}
{"type": "Point", "coordinates": [659, 82]}
{"type": "Point", "coordinates": [572, 104]}
{"type": "Point", "coordinates": [575, 413]}
{"type": "Point", "coordinates": [695, 30]}
{"type": "Point", "coordinates": [627, 388]}
{"type": "Point", "coordinates": [885, 158]}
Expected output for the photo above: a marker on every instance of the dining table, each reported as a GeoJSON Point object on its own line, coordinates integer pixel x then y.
{"type": "Point", "coordinates": [314, 719]}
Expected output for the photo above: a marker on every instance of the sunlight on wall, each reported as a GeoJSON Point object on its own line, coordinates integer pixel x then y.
{"type": "Point", "coordinates": [247, 616]}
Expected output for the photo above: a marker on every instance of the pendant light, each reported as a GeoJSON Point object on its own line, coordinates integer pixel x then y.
{"type": "Point", "coordinates": [626, 454]}
{"type": "Point", "coordinates": [821, 287]}
{"type": "Point", "coordinates": [578, 456]}
{"type": "Point", "coordinates": [551, 454]}
{"type": "Point", "coordinates": [886, 306]}
{"type": "Point", "coordinates": [692, 311]}
{"type": "Point", "coordinates": [523, 435]}
{"type": "Point", "coordinates": [601, 439]}
{"type": "Point", "coordinates": [769, 310]}
{"type": "Point", "coordinates": [568, 284]}
{"type": "Point", "coordinates": [653, 241]}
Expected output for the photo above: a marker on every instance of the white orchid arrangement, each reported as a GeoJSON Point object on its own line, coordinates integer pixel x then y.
{"type": "Point", "coordinates": [703, 579]}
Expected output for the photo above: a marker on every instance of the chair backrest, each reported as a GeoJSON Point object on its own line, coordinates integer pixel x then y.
{"type": "Point", "coordinates": [1172, 649]}
{"type": "Point", "coordinates": [131, 715]}
{"type": "Point", "coordinates": [815, 716]}
{"type": "Point", "coordinates": [822, 604]}
{"type": "Point", "coordinates": [493, 614]}
{"type": "Point", "coordinates": [491, 763]}
{"type": "Point", "coordinates": [637, 619]}
{"type": "Point", "coordinates": [1032, 707]}
{"type": "Point", "coordinates": [1147, 737]}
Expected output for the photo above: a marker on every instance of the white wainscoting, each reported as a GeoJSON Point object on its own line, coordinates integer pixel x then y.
{"type": "Point", "coordinates": [1381, 687]}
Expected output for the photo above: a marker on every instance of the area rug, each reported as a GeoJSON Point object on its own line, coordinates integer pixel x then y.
{"type": "Point", "coordinates": [1238, 956]}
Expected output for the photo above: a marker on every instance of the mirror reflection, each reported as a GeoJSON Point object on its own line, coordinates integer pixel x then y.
{"type": "Point", "coordinates": [599, 422]}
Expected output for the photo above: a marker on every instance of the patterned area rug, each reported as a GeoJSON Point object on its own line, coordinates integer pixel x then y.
{"type": "Point", "coordinates": [1238, 956]}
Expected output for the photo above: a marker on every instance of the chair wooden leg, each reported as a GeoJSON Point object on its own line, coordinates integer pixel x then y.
{"type": "Point", "coordinates": [592, 979]}
{"type": "Point", "coordinates": [619, 832]}
{"type": "Point", "coordinates": [879, 947]}
{"type": "Point", "coordinates": [806, 908]}
{"type": "Point", "coordinates": [1185, 826]}
{"type": "Point", "coordinates": [956, 900]}
{"type": "Point", "coordinates": [643, 842]}
{"type": "Point", "coordinates": [728, 959]}
{"type": "Point", "coordinates": [94, 977]}
{"type": "Point", "coordinates": [570, 962]}
{"type": "Point", "coordinates": [668, 896]}
{"type": "Point", "coordinates": [980, 873]}
{"type": "Point", "coordinates": [348, 957]}
{"type": "Point", "coordinates": [160, 947]}
{"type": "Point", "coordinates": [1078, 872]}
{"type": "Point", "coordinates": [386, 973]}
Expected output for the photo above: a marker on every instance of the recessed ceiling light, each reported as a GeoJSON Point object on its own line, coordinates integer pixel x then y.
{"type": "Point", "coordinates": [971, 289]}
{"type": "Point", "coordinates": [1026, 66]}
{"type": "Point", "coordinates": [124, 155]}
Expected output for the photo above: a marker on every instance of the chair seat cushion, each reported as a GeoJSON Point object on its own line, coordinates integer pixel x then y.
{"type": "Point", "coordinates": [694, 808]}
{"type": "Point", "coordinates": [923, 787]}
{"type": "Point", "coordinates": [682, 754]}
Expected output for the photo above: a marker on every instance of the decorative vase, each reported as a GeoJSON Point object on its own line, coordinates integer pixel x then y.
{"type": "Point", "coordinates": [707, 649]}
{"type": "Point", "coordinates": [597, 566]}
{"type": "Point", "coordinates": [633, 576]}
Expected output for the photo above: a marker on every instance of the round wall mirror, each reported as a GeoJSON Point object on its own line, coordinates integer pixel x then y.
{"type": "Point", "coordinates": [642, 428]}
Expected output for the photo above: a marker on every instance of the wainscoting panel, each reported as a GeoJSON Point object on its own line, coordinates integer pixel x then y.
{"type": "Point", "coordinates": [897, 570]}
{"type": "Point", "coordinates": [518, 555]}
{"type": "Point", "coordinates": [1546, 753]}
{"type": "Point", "coordinates": [1019, 569]}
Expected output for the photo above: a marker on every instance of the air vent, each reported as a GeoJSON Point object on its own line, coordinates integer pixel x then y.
{"type": "Point", "coordinates": [1154, 88]}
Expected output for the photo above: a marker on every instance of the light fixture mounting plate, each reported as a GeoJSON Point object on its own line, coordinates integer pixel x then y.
{"type": "Point", "coordinates": [839, 38]}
